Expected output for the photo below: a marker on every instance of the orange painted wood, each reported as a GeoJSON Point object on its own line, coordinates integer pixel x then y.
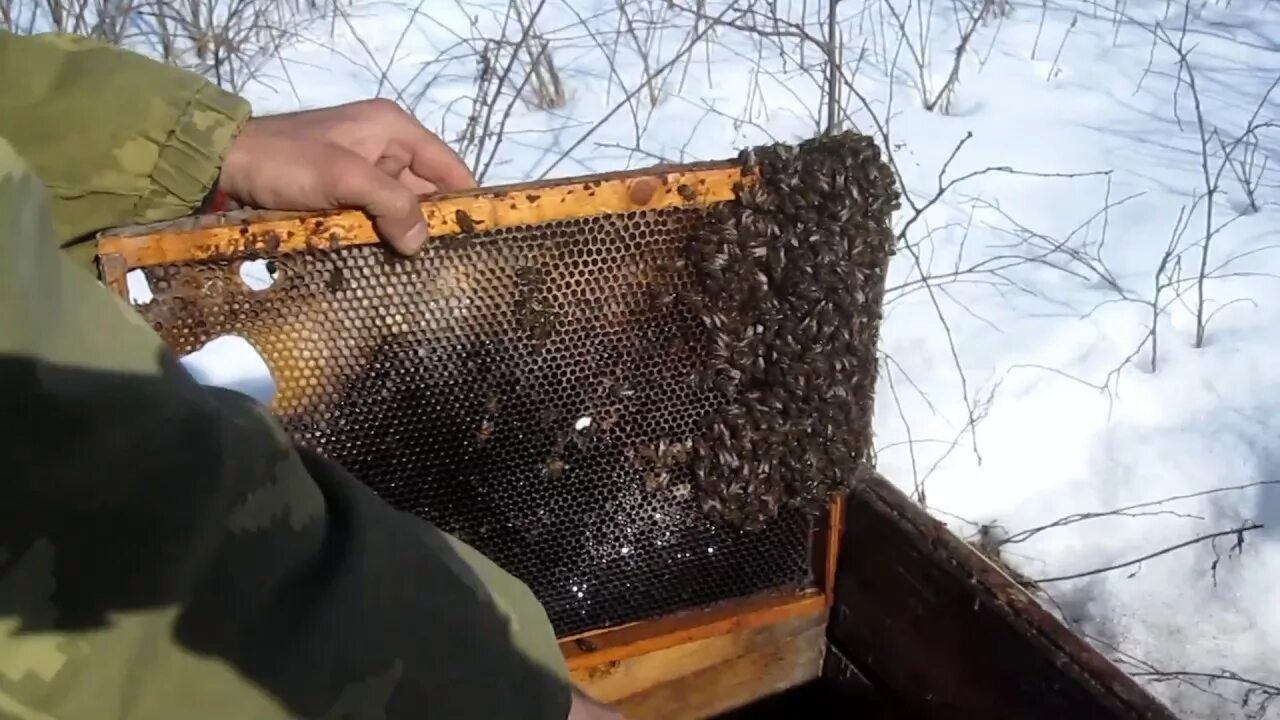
{"type": "Point", "coordinates": [267, 233]}
{"type": "Point", "coordinates": [834, 533]}
{"type": "Point", "coordinates": [626, 641]}
{"type": "Point", "coordinates": [707, 677]}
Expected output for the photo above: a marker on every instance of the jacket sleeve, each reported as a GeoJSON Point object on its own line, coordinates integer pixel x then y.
{"type": "Point", "coordinates": [117, 138]}
{"type": "Point", "coordinates": [165, 550]}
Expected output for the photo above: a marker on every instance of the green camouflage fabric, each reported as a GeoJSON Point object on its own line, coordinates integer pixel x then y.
{"type": "Point", "coordinates": [165, 551]}
{"type": "Point", "coordinates": [116, 137]}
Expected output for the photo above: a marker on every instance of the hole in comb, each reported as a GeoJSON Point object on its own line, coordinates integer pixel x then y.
{"type": "Point", "coordinates": [231, 362]}
{"type": "Point", "coordinates": [258, 275]}
{"type": "Point", "coordinates": [139, 287]}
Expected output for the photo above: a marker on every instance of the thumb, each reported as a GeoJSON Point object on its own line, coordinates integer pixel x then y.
{"type": "Point", "coordinates": [352, 181]}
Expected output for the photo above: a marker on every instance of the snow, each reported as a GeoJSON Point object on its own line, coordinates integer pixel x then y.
{"type": "Point", "coordinates": [139, 288]}
{"type": "Point", "coordinates": [233, 363]}
{"type": "Point", "coordinates": [256, 274]}
{"type": "Point", "coordinates": [1012, 392]}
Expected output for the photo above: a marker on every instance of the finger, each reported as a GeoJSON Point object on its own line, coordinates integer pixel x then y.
{"type": "Point", "coordinates": [417, 184]}
{"type": "Point", "coordinates": [431, 159]}
{"type": "Point", "coordinates": [396, 165]}
{"type": "Point", "coordinates": [325, 176]}
{"type": "Point", "coordinates": [351, 181]}
{"type": "Point", "coordinates": [436, 162]}
{"type": "Point", "coordinates": [392, 164]}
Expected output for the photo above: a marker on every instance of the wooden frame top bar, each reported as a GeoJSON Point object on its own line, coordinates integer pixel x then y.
{"type": "Point", "coordinates": [255, 233]}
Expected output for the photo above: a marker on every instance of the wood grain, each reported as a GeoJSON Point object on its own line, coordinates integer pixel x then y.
{"type": "Point", "coordinates": [948, 634]}
{"type": "Point", "coordinates": [271, 234]}
{"type": "Point", "coordinates": [595, 649]}
{"type": "Point", "coordinates": [707, 677]}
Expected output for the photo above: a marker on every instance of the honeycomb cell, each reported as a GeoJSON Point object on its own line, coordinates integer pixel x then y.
{"type": "Point", "coordinates": [428, 382]}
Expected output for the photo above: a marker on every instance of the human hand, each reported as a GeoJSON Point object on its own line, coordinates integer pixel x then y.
{"type": "Point", "coordinates": [370, 155]}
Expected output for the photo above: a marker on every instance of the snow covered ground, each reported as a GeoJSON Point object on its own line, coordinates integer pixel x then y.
{"type": "Point", "coordinates": [1018, 385]}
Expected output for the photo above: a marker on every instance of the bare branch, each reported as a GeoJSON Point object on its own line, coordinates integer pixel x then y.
{"type": "Point", "coordinates": [631, 95]}
{"type": "Point", "coordinates": [1129, 510]}
{"type": "Point", "coordinates": [1237, 531]}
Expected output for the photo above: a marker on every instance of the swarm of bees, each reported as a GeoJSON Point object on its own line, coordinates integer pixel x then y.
{"type": "Point", "coordinates": [789, 280]}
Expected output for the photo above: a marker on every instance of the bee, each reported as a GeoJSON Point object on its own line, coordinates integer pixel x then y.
{"type": "Point", "coordinates": [607, 419]}
{"type": "Point", "coordinates": [673, 454]}
{"type": "Point", "coordinates": [662, 451]}
{"type": "Point", "coordinates": [661, 296]}
{"type": "Point", "coordinates": [686, 192]}
{"type": "Point", "coordinates": [336, 281]}
{"type": "Point", "coordinates": [724, 382]}
{"type": "Point", "coordinates": [643, 454]}
{"type": "Point", "coordinates": [692, 378]}
{"type": "Point", "coordinates": [542, 332]}
{"type": "Point", "coordinates": [466, 223]}
{"type": "Point", "coordinates": [554, 467]}
{"type": "Point", "coordinates": [485, 431]}
{"type": "Point", "coordinates": [620, 389]}
{"type": "Point", "coordinates": [655, 480]}
{"type": "Point", "coordinates": [713, 506]}
{"type": "Point", "coordinates": [531, 308]}
{"type": "Point", "coordinates": [558, 447]}
{"type": "Point", "coordinates": [530, 275]}
{"type": "Point", "coordinates": [456, 242]}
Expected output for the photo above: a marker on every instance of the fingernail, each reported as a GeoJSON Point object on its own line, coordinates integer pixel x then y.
{"type": "Point", "coordinates": [415, 238]}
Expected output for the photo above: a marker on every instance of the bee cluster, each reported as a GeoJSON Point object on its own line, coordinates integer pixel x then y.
{"type": "Point", "coordinates": [660, 460]}
{"type": "Point", "coordinates": [789, 280]}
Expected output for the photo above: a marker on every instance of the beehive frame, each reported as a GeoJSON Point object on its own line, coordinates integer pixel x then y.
{"type": "Point", "coordinates": [258, 234]}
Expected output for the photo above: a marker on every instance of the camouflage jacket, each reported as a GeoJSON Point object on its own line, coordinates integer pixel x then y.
{"type": "Point", "coordinates": [165, 551]}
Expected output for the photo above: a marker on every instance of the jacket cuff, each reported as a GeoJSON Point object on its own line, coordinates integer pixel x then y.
{"type": "Point", "coordinates": [189, 161]}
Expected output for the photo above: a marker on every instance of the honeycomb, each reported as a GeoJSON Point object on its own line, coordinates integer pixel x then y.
{"type": "Point", "coordinates": [550, 392]}
{"type": "Point", "coordinates": [499, 386]}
